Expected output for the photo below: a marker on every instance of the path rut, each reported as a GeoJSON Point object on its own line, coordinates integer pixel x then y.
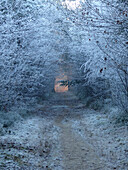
{"type": "Point", "coordinates": [77, 153]}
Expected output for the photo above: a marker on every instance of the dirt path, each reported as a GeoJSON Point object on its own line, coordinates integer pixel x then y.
{"type": "Point", "coordinates": [61, 134]}
{"type": "Point", "coordinates": [77, 153]}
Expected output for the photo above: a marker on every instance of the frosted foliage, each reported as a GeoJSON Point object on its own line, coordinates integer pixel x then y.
{"type": "Point", "coordinates": [100, 32]}
{"type": "Point", "coordinates": [34, 35]}
{"type": "Point", "coordinates": [27, 49]}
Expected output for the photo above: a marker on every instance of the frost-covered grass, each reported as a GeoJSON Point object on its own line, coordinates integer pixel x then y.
{"type": "Point", "coordinates": [108, 135]}
{"type": "Point", "coordinates": [31, 144]}
{"type": "Point", "coordinates": [7, 120]}
{"type": "Point", "coordinates": [15, 115]}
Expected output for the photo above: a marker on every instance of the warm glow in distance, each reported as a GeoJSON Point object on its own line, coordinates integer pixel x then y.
{"type": "Point", "coordinates": [58, 88]}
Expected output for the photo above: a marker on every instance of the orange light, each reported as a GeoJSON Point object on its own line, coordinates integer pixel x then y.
{"type": "Point", "coordinates": [58, 88]}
